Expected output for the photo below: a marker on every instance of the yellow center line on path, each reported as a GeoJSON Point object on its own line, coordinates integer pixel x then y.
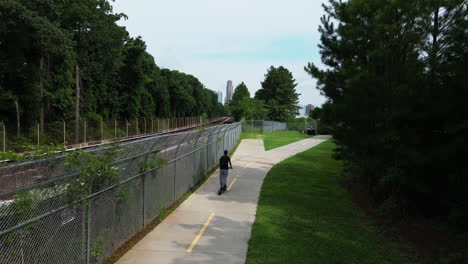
{"type": "Point", "coordinates": [237, 175]}
{"type": "Point", "coordinates": [230, 185]}
{"type": "Point", "coordinates": [194, 242]}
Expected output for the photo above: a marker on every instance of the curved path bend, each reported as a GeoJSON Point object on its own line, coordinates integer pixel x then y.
{"type": "Point", "coordinates": [212, 229]}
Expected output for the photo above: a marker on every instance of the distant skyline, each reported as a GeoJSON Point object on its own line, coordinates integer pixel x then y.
{"type": "Point", "coordinates": [229, 92]}
{"type": "Point", "coordinates": [239, 40]}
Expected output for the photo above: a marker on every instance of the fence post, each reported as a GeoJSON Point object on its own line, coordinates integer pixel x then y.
{"type": "Point", "coordinates": [152, 127]}
{"type": "Point", "coordinates": [137, 128]}
{"type": "Point", "coordinates": [102, 131]}
{"type": "Point", "coordinates": [145, 127]}
{"type": "Point", "coordinates": [115, 129]}
{"type": "Point", "coordinates": [224, 143]}
{"type": "Point", "coordinates": [207, 146]}
{"type": "Point", "coordinates": [157, 129]}
{"type": "Point", "coordinates": [38, 135]}
{"type": "Point", "coordinates": [126, 123]}
{"type": "Point", "coordinates": [88, 227]}
{"type": "Point", "coordinates": [4, 138]}
{"type": "Point", "coordinates": [175, 163]}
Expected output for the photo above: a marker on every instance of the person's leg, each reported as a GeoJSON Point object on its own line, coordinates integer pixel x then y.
{"type": "Point", "coordinates": [220, 179]}
{"type": "Point", "coordinates": [224, 179]}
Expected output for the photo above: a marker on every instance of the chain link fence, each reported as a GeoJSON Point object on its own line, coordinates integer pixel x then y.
{"type": "Point", "coordinates": [263, 127]}
{"type": "Point", "coordinates": [50, 212]}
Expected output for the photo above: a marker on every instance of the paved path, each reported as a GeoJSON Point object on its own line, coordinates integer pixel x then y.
{"type": "Point", "coordinates": [216, 229]}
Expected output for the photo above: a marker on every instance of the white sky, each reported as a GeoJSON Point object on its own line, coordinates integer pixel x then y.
{"type": "Point", "coordinates": [238, 40]}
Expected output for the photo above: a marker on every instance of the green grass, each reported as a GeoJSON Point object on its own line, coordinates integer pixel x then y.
{"type": "Point", "coordinates": [281, 138]}
{"type": "Point", "coordinates": [276, 139]}
{"type": "Point", "coordinates": [304, 216]}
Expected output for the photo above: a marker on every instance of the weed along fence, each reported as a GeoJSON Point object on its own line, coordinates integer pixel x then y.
{"type": "Point", "coordinates": [81, 207]}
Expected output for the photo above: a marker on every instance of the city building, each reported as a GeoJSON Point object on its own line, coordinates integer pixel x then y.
{"type": "Point", "coordinates": [220, 97]}
{"type": "Point", "coordinates": [229, 92]}
{"type": "Point", "coordinates": [309, 108]}
{"type": "Point", "coordinates": [301, 110]}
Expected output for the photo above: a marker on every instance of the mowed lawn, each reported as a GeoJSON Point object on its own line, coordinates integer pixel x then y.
{"type": "Point", "coordinates": [277, 139]}
{"type": "Point", "coordinates": [304, 216]}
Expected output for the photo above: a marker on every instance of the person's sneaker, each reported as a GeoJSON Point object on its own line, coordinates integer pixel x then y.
{"type": "Point", "coordinates": [224, 188]}
{"type": "Point", "coordinates": [219, 192]}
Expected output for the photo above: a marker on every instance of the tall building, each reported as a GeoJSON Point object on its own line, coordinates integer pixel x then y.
{"type": "Point", "coordinates": [220, 96]}
{"type": "Point", "coordinates": [229, 92]}
{"type": "Point", "coordinates": [302, 111]}
{"type": "Point", "coordinates": [309, 108]}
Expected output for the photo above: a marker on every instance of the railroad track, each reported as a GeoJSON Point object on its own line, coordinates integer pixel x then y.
{"type": "Point", "coordinates": [96, 144]}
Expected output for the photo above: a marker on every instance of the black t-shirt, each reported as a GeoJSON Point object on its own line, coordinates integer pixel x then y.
{"type": "Point", "coordinates": [224, 162]}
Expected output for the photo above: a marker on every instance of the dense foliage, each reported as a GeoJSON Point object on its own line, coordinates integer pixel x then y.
{"type": "Point", "coordinates": [68, 59]}
{"type": "Point", "coordinates": [396, 84]}
{"type": "Point", "coordinates": [321, 115]}
{"type": "Point", "coordinates": [244, 107]}
{"type": "Point", "coordinates": [278, 92]}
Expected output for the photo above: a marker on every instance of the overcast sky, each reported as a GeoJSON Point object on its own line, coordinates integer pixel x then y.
{"type": "Point", "coordinates": [238, 40]}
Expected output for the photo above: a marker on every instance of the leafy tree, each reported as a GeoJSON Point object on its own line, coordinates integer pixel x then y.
{"type": "Point", "coordinates": [279, 94]}
{"type": "Point", "coordinates": [324, 118]}
{"type": "Point", "coordinates": [69, 59]}
{"type": "Point", "coordinates": [240, 92]}
{"type": "Point", "coordinates": [316, 113]}
{"type": "Point", "coordinates": [35, 54]}
{"type": "Point", "coordinates": [242, 106]}
{"type": "Point", "coordinates": [240, 103]}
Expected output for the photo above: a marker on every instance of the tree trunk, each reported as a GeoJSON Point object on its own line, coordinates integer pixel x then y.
{"type": "Point", "coordinates": [435, 48]}
{"type": "Point", "coordinates": [41, 94]}
{"type": "Point", "coordinates": [77, 105]}
{"type": "Point", "coordinates": [17, 117]}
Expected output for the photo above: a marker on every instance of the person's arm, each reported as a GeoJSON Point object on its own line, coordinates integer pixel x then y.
{"type": "Point", "coordinates": [230, 164]}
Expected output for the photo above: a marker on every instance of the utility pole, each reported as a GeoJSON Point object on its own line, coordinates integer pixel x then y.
{"type": "Point", "coordinates": [77, 104]}
{"type": "Point", "coordinates": [17, 117]}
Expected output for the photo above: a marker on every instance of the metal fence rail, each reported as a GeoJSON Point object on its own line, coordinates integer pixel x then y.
{"type": "Point", "coordinates": [40, 222]}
